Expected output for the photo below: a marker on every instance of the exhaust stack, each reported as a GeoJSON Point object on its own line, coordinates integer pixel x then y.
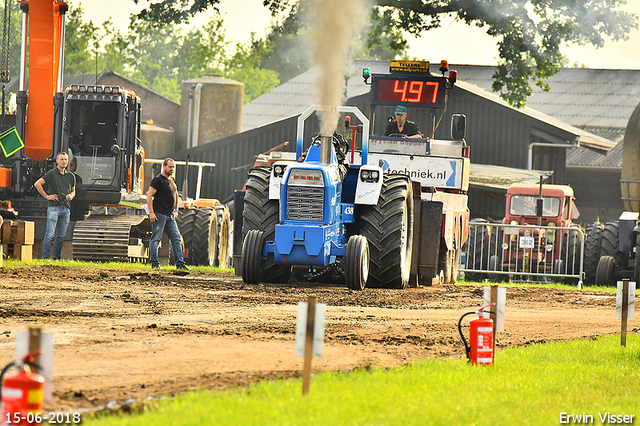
{"type": "Point", "coordinates": [325, 148]}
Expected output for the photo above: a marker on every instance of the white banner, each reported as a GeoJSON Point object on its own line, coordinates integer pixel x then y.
{"type": "Point", "coordinates": [429, 171]}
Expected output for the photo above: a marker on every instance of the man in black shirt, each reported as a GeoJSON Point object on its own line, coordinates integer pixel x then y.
{"type": "Point", "coordinates": [402, 126]}
{"type": "Point", "coordinates": [162, 201]}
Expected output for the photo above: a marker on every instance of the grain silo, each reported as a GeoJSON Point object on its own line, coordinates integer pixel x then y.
{"type": "Point", "coordinates": [211, 108]}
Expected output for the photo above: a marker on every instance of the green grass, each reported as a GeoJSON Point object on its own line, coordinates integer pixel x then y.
{"type": "Point", "coordinates": [527, 386]}
{"type": "Point", "coordinates": [125, 266]}
{"type": "Point", "coordinates": [556, 286]}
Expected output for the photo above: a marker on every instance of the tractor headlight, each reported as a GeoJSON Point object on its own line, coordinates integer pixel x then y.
{"type": "Point", "coordinates": [278, 171]}
{"type": "Point", "coordinates": [551, 233]}
{"type": "Point", "coordinates": [370, 176]}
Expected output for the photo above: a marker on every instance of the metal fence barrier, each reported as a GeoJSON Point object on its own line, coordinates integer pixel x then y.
{"type": "Point", "coordinates": [501, 252]}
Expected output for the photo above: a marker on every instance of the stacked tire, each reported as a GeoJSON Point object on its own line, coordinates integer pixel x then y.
{"type": "Point", "coordinates": [205, 234]}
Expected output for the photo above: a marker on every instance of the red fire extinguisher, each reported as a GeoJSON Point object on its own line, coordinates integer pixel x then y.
{"type": "Point", "coordinates": [22, 395]}
{"type": "Point", "coordinates": [480, 348]}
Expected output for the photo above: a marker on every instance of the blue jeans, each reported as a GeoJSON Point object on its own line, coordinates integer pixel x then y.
{"type": "Point", "coordinates": [57, 223]}
{"type": "Point", "coordinates": [168, 225]}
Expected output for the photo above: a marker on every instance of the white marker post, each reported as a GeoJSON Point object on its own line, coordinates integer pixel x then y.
{"type": "Point", "coordinates": [498, 296]}
{"type": "Point", "coordinates": [625, 306]}
{"type": "Point", "coordinates": [32, 340]}
{"type": "Point", "coordinates": [309, 335]}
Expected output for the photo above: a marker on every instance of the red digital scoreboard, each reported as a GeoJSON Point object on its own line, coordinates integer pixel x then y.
{"type": "Point", "coordinates": [419, 91]}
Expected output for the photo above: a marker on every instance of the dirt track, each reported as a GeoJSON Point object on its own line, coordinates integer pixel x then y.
{"type": "Point", "coordinates": [121, 335]}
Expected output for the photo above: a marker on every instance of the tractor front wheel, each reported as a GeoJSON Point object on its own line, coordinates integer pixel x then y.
{"type": "Point", "coordinates": [606, 271]}
{"type": "Point", "coordinates": [261, 213]}
{"type": "Point", "coordinates": [357, 262]}
{"type": "Point", "coordinates": [252, 264]}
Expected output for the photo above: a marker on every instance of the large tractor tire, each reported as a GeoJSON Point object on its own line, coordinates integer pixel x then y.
{"type": "Point", "coordinates": [571, 255]}
{"type": "Point", "coordinates": [477, 250]}
{"type": "Point", "coordinates": [223, 225]}
{"type": "Point", "coordinates": [204, 246]}
{"type": "Point", "coordinates": [611, 243]}
{"type": "Point", "coordinates": [593, 237]}
{"type": "Point", "coordinates": [252, 263]}
{"type": "Point", "coordinates": [388, 228]}
{"type": "Point", "coordinates": [261, 213]}
{"type": "Point", "coordinates": [495, 253]}
{"type": "Point", "coordinates": [186, 224]}
{"type": "Point", "coordinates": [607, 271]}
{"type": "Point", "coordinates": [356, 269]}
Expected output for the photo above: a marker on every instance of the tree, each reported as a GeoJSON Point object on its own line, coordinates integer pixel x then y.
{"type": "Point", "coordinates": [160, 56]}
{"type": "Point", "coordinates": [245, 67]}
{"type": "Point", "coordinates": [529, 33]}
{"type": "Point", "coordinates": [80, 43]}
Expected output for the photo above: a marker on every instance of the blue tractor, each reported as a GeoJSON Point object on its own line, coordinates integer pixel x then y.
{"type": "Point", "coordinates": [323, 211]}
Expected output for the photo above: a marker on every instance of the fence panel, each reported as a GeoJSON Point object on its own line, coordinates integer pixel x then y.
{"type": "Point", "coordinates": [499, 252]}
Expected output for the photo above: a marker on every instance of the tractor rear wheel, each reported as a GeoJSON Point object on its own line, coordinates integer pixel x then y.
{"type": "Point", "coordinates": [186, 222]}
{"type": "Point", "coordinates": [388, 228]}
{"type": "Point", "coordinates": [611, 243]}
{"type": "Point", "coordinates": [261, 213]}
{"type": "Point", "coordinates": [573, 252]}
{"type": "Point", "coordinates": [593, 236]}
{"type": "Point", "coordinates": [223, 222]}
{"type": "Point", "coordinates": [477, 250]}
{"type": "Point", "coordinates": [204, 246]}
{"type": "Point", "coordinates": [252, 263]}
{"type": "Point", "coordinates": [356, 269]}
{"type": "Point", "coordinates": [606, 273]}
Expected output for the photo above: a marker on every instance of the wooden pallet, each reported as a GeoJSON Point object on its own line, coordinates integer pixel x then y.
{"type": "Point", "coordinates": [18, 251]}
{"type": "Point", "coordinates": [18, 232]}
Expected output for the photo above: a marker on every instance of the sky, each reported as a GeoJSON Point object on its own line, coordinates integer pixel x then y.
{"type": "Point", "coordinates": [456, 42]}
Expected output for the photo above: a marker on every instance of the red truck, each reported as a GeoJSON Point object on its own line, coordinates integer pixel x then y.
{"type": "Point", "coordinates": [537, 237]}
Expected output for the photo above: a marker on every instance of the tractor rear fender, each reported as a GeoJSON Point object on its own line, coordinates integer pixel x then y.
{"type": "Point", "coordinates": [368, 186]}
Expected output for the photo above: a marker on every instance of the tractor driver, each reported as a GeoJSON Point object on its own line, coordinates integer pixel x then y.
{"type": "Point", "coordinates": [401, 126]}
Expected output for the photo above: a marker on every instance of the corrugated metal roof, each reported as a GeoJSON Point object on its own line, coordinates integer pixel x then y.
{"type": "Point", "coordinates": [583, 157]}
{"type": "Point", "coordinates": [498, 177]}
{"type": "Point", "coordinates": [575, 96]}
